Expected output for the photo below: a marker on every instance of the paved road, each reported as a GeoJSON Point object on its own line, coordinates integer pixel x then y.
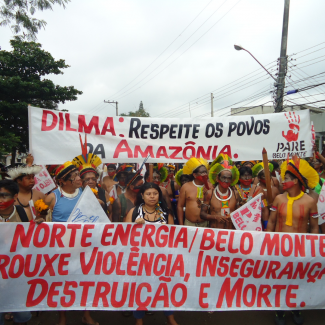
{"type": "Point", "coordinates": [312, 317]}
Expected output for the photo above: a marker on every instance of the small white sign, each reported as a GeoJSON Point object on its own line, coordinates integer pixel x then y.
{"type": "Point", "coordinates": [43, 181]}
{"type": "Point", "coordinates": [248, 217]}
{"type": "Point", "coordinates": [88, 209]}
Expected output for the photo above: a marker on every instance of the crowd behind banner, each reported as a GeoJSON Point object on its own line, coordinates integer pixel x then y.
{"type": "Point", "coordinates": [276, 196]}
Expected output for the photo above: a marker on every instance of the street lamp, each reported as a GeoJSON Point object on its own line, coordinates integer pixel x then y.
{"type": "Point", "coordinates": [239, 48]}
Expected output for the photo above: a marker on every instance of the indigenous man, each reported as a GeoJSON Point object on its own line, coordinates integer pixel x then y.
{"type": "Point", "coordinates": [193, 192]}
{"type": "Point", "coordinates": [172, 187]}
{"type": "Point", "coordinates": [120, 177]}
{"type": "Point", "coordinates": [62, 201]}
{"type": "Point", "coordinates": [244, 186]}
{"type": "Point", "coordinates": [126, 201]}
{"type": "Point", "coordinates": [260, 187]}
{"type": "Point", "coordinates": [24, 177]}
{"type": "Point", "coordinates": [221, 200]}
{"type": "Point", "coordinates": [181, 178]}
{"type": "Point", "coordinates": [291, 211]}
{"type": "Point", "coordinates": [88, 166]}
{"type": "Point", "coordinates": [108, 181]}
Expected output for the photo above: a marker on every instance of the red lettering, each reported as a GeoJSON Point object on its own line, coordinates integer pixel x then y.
{"type": "Point", "coordinates": [181, 238]}
{"type": "Point", "coordinates": [132, 263]}
{"type": "Point", "coordinates": [49, 264]}
{"type": "Point", "coordinates": [20, 270]}
{"type": "Point", "coordinates": [52, 293]}
{"type": "Point", "coordinates": [86, 267]}
{"type": "Point", "coordinates": [278, 289]}
{"type": "Point", "coordinates": [208, 264]}
{"type": "Point", "coordinates": [121, 234]}
{"type": "Point", "coordinates": [68, 123]}
{"type": "Point", "coordinates": [68, 292]}
{"type": "Point", "coordinates": [123, 146]}
{"type": "Point", "coordinates": [270, 244]}
{"type": "Point", "coordinates": [221, 240]}
{"type": "Point", "coordinates": [146, 263]}
{"type": "Point", "coordinates": [203, 295]}
{"type": "Point", "coordinates": [4, 262]}
{"type": "Point", "coordinates": [148, 232]}
{"type": "Point", "coordinates": [86, 235]}
{"type": "Point", "coordinates": [287, 238]}
{"type": "Point", "coordinates": [253, 296]}
{"type": "Point", "coordinates": [208, 236]}
{"type": "Point", "coordinates": [291, 295]}
{"type": "Point", "coordinates": [173, 295]}
{"type": "Point", "coordinates": [73, 227]}
{"type": "Point", "coordinates": [108, 126]}
{"type": "Point", "coordinates": [164, 237]}
{"type": "Point", "coordinates": [114, 302]}
{"type": "Point", "coordinates": [263, 293]}
{"type": "Point", "coordinates": [36, 239]}
{"type": "Point", "coordinates": [229, 293]}
{"type": "Point", "coordinates": [57, 236]}
{"type": "Point", "coordinates": [106, 234]}
{"type": "Point", "coordinates": [145, 153]}
{"type": "Point", "coordinates": [312, 239]}
{"type": "Point", "coordinates": [101, 294]}
{"type": "Point", "coordinates": [142, 304]}
{"type": "Point", "coordinates": [83, 127]}
{"type": "Point", "coordinates": [24, 238]}
{"type": "Point", "coordinates": [30, 301]}
{"type": "Point", "coordinates": [37, 265]}
{"type": "Point", "coordinates": [53, 124]}
{"type": "Point", "coordinates": [62, 263]}
{"type": "Point", "coordinates": [162, 288]}
{"type": "Point", "coordinates": [85, 290]}
{"type": "Point", "coordinates": [135, 233]}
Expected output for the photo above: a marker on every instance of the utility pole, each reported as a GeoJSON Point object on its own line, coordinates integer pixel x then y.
{"type": "Point", "coordinates": [211, 104]}
{"type": "Point", "coordinates": [116, 103]}
{"type": "Point", "coordinates": [283, 59]}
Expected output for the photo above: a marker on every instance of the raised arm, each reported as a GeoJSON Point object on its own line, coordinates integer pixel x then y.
{"type": "Point", "coordinates": [273, 216]}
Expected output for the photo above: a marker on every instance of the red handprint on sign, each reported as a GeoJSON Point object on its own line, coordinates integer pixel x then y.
{"type": "Point", "coordinates": [293, 133]}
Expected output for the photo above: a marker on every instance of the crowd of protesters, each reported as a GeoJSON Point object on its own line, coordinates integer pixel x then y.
{"type": "Point", "coordinates": [196, 194]}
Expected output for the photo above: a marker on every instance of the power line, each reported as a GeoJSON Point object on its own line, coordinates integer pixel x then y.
{"type": "Point", "coordinates": [182, 52]}
{"type": "Point", "coordinates": [172, 52]}
{"type": "Point", "coordinates": [164, 49]}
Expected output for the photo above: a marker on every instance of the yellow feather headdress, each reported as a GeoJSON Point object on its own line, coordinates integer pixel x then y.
{"type": "Point", "coordinates": [193, 164]}
{"type": "Point", "coordinates": [300, 168]}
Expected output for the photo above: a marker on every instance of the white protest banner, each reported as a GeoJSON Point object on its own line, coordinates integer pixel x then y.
{"type": "Point", "coordinates": [131, 139]}
{"type": "Point", "coordinates": [43, 181]}
{"type": "Point", "coordinates": [313, 133]}
{"type": "Point", "coordinates": [88, 209]}
{"type": "Point", "coordinates": [126, 266]}
{"type": "Point", "coordinates": [321, 206]}
{"type": "Point", "coordinates": [248, 216]}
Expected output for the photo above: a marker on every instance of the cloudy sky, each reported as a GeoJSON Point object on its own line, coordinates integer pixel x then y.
{"type": "Point", "coordinates": [172, 54]}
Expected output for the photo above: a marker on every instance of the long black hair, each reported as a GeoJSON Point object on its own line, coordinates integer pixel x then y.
{"type": "Point", "coordinates": [161, 201]}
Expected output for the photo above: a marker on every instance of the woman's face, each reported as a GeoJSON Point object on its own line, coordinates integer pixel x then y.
{"type": "Point", "coordinates": [151, 196]}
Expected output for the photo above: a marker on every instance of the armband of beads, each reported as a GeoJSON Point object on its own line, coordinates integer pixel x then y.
{"type": "Point", "coordinates": [274, 208]}
{"type": "Point", "coordinates": [314, 215]}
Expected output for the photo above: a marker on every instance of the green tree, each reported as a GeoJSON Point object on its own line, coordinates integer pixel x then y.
{"type": "Point", "coordinates": [22, 82]}
{"type": "Point", "coordinates": [141, 112]}
{"type": "Point", "coordinates": [18, 15]}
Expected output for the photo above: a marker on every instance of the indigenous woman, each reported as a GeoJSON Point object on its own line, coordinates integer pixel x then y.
{"type": "Point", "coordinates": [150, 209]}
{"type": "Point", "coordinates": [243, 187]}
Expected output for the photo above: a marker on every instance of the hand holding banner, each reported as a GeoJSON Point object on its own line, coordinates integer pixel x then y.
{"type": "Point", "coordinates": [88, 209]}
{"type": "Point", "coordinates": [248, 217]}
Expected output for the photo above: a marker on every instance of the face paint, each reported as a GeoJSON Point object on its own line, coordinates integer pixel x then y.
{"type": "Point", "coordinates": [246, 182]}
{"type": "Point", "coordinates": [204, 180]}
{"type": "Point", "coordinates": [156, 182]}
{"type": "Point", "coordinates": [224, 184]}
{"type": "Point", "coordinates": [263, 181]}
{"type": "Point", "coordinates": [122, 183]}
{"type": "Point", "coordinates": [111, 174]}
{"type": "Point", "coordinates": [136, 189]}
{"type": "Point", "coordinates": [6, 205]}
{"type": "Point", "coordinates": [288, 185]}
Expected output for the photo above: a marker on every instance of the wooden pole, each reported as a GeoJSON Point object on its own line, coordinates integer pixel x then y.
{"type": "Point", "coordinates": [150, 172]}
{"type": "Point", "coordinates": [267, 177]}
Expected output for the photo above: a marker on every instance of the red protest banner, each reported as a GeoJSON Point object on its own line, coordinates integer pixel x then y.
{"type": "Point", "coordinates": [138, 267]}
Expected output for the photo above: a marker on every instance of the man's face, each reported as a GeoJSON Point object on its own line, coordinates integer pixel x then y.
{"type": "Point", "coordinates": [136, 186]}
{"type": "Point", "coordinates": [75, 179]}
{"type": "Point", "coordinates": [316, 164]}
{"type": "Point", "coordinates": [89, 179]}
{"type": "Point", "coordinates": [27, 181]}
{"type": "Point", "coordinates": [261, 175]}
{"type": "Point", "coordinates": [156, 177]}
{"type": "Point", "coordinates": [111, 172]}
{"type": "Point", "coordinates": [122, 179]}
{"type": "Point", "coordinates": [248, 164]}
{"type": "Point", "coordinates": [225, 176]}
{"type": "Point", "coordinates": [201, 171]}
{"type": "Point", "coordinates": [246, 176]}
{"type": "Point", "coordinates": [6, 199]}
{"type": "Point", "coordinates": [170, 172]}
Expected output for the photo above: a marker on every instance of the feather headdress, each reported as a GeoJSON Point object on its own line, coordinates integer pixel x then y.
{"type": "Point", "coordinates": [87, 162]}
{"type": "Point", "coordinates": [221, 163]}
{"type": "Point", "coordinates": [301, 169]}
{"type": "Point", "coordinates": [19, 171]}
{"type": "Point", "coordinates": [193, 164]}
{"type": "Point", "coordinates": [163, 172]}
{"type": "Point", "coordinates": [178, 177]}
{"type": "Point", "coordinates": [260, 167]}
{"type": "Point", "coordinates": [65, 169]}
